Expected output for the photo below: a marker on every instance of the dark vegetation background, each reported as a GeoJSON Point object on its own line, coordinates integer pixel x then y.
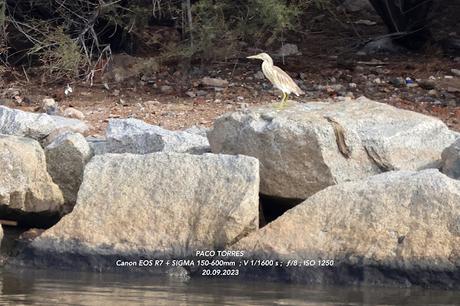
{"type": "Point", "coordinates": [77, 38]}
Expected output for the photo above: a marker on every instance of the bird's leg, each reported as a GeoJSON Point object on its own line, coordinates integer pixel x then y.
{"type": "Point", "coordinates": [283, 101]}
{"type": "Point", "coordinates": [286, 99]}
{"type": "Point", "coordinates": [281, 104]}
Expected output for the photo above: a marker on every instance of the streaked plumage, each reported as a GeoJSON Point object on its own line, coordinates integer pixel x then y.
{"type": "Point", "coordinates": [278, 77]}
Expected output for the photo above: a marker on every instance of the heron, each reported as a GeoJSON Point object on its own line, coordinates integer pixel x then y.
{"type": "Point", "coordinates": [278, 77]}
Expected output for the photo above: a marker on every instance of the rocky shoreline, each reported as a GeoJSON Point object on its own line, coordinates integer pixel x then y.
{"type": "Point", "coordinates": [396, 227]}
{"type": "Point", "coordinates": [372, 193]}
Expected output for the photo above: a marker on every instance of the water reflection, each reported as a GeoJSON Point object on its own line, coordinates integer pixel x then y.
{"type": "Point", "coordinates": [27, 287]}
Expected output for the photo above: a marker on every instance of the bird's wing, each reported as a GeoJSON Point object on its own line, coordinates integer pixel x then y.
{"type": "Point", "coordinates": [284, 81]}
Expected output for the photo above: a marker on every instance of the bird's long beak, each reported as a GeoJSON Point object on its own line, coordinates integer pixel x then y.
{"type": "Point", "coordinates": [253, 57]}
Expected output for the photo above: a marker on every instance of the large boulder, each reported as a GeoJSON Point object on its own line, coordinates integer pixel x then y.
{"type": "Point", "coordinates": [98, 145]}
{"type": "Point", "coordinates": [198, 130]}
{"type": "Point", "coordinates": [135, 136]}
{"type": "Point", "coordinates": [399, 227]}
{"type": "Point", "coordinates": [451, 160]}
{"type": "Point", "coordinates": [307, 147]}
{"type": "Point", "coordinates": [35, 125]}
{"type": "Point", "coordinates": [66, 158]}
{"type": "Point", "coordinates": [70, 124]}
{"type": "Point", "coordinates": [158, 205]}
{"type": "Point", "coordinates": [25, 185]}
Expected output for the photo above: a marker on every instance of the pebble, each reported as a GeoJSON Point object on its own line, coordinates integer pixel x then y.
{"type": "Point", "coordinates": [214, 82]}
{"type": "Point", "coordinates": [365, 22]}
{"type": "Point", "coordinates": [191, 94]}
{"type": "Point", "coordinates": [455, 71]}
{"type": "Point", "coordinates": [398, 82]}
{"type": "Point", "coordinates": [266, 86]}
{"type": "Point", "coordinates": [50, 106]}
{"type": "Point", "coordinates": [166, 89]}
{"type": "Point", "coordinates": [122, 102]}
{"type": "Point", "coordinates": [427, 84]}
{"type": "Point", "coordinates": [73, 113]}
{"type": "Point", "coordinates": [151, 103]}
{"type": "Point", "coordinates": [343, 99]}
{"type": "Point", "coordinates": [18, 100]}
{"type": "Point", "coordinates": [330, 88]}
{"type": "Point", "coordinates": [352, 85]}
{"type": "Point", "coordinates": [350, 95]}
{"type": "Point", "coordinates": [243, 105]}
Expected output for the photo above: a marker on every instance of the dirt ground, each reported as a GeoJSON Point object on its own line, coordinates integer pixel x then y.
{"type": "Point", "coordinates": [329, 68]}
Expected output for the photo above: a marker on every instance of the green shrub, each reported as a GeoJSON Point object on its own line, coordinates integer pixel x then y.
{"type": "Point", "coordinates": [218, 26]}
{"type": "Point", "coordinates": [66, 36]}
{"type": "Point", "coordinates": [60, 55]}
{"type": "Point", "coordinates": [269, 17]}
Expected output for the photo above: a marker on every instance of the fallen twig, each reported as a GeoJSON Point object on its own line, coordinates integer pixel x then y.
{"type": "Point", "coordinates": [25, 73]}
{"type": "Point", "coordinates": [9, 222]}
{"type": "Point", "coordinates": [372, 63]}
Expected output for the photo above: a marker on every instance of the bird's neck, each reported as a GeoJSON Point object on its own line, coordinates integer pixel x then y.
{"type": "Point", "coordinates": [268, 62]}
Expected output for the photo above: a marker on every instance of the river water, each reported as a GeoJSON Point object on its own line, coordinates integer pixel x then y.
{"type": "Point", "coordinates": [48, 287]}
